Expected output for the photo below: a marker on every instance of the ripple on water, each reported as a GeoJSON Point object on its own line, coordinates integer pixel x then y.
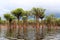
{"type": "Point", "coordinates": [3, 38]}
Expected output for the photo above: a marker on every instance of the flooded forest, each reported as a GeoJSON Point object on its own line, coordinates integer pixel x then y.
{"type": "Point", "coordinates": [33, 24]}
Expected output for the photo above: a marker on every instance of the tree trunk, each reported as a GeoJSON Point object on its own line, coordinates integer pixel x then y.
{"type": "Point", "coordinates": [49, 28]}
{"type": "Point", "coordinates": [19, 30]}
{"type": "Point", "coordinates": [9, 30]}
{"type": "Point", "coordinates": [25, 29]}
{"type": "Point", "coordinates": [42, 34]}
{"type": "Point", "coordinates": [37, 29]}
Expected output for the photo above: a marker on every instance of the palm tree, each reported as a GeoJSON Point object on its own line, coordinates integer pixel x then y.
{"type": "Point", "coordinates": [41, 16]}
{"type": "Point", "coordinates": [50, 21]}
{"type": "Point", "coordinates": [25, 23]}
{"type": "Point", "coordinates": [39, 13]}
{"type": "Point", "coordinates": [9, 18]}
{"type": "Point", "coordinates": [18, 14]}
{"type": "Point", "coordinates": [57, 22]}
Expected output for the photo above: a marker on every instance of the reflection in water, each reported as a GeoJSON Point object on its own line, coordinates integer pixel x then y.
{"type": "Point", "coordinates": [31, 34]}
{"type": "Point", "coordinates": [2, 35]}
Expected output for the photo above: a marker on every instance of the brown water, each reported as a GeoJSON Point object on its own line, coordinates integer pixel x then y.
{"type": "Point", "coordinates": [31, 35]}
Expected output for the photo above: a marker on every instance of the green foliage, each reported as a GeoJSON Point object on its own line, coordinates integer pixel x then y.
{"type": "Point", "coordinates": [6, 16]}
{"type": "Point", "coordinates": [38, 11]}
{"type": "Point", "coordinates": [31, 21]}
{"type": "Point", "coordinates": [0, 18]}
{"type": "Point", "coordinates": [57, 21]}
{"type": "Point", "coordinates": [25, 15]}
{"type": "Point", "coordinates": [17, 12]}
{"type": "Point", "coordinates": [1, 21]}
{"type": "Point", "coordinates": [9, 17]}
{"type": "Point", "coordinates": [42, 16]}
{"type": "Point", "coordinates": [50, 19]}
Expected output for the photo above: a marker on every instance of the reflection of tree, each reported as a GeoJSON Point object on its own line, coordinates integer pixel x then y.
{"type": "Point", "coordinates": [22, 20]}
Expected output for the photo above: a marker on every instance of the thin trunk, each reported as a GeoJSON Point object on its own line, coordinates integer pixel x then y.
{"type": "Point", "coordinates": [42, 34]}
{"type": "Point", "coordinates": [25, 29]}
{"type": "Point", "coordinates": [25, 32]}
{"type": "Point", "coordinates": [19, 29]}
{"type": "Point", "coordinates": [10, 29]}
{"type": "Point", "coordinates": [7, 24]}
{"type": "Point", "coordinates": [37, 29]}
{"type": "Point", "coordinates": [14, 29]}
{"type": "Point", "coordinates": [49, 28]}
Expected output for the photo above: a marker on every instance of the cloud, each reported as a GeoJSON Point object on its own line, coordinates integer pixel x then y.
{"type": "Point", "coordinates": [50, 5]}
{"type": "Point", "coordinates": [2, 11]}
{"type": "Point", "coordinates": [27, 4]}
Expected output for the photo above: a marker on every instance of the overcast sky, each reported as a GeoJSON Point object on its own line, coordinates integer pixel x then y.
{"type": "Point", "coordinates": [50, 5]}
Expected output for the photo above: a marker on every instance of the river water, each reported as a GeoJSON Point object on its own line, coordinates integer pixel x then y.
{"type": "Point", "coordinates": [2, 34]}
{"type": "Point", "coordinates": [31, 35]}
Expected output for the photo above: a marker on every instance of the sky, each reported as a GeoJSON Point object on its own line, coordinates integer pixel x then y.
{"type": "Point", "coordinates": [51, 6]}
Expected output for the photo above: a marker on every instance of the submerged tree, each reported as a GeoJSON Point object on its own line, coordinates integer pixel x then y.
{"type": "Point", "coordinates": [25, 23]}
{"type": "Point", "coordinates": [18, 14]}
{"type": "Point", "coordinates": [39, 13]}
{"type": "Point", "coordinates": [23, 15]}
{"type": "Point", "coordinates": [41, 16]}
{"type": "Point", "coordinates": [57, 21]}
{"type": "Point", "coordinates": [9, 18]}
{"type": "Point", "coordinates": [50, 19]}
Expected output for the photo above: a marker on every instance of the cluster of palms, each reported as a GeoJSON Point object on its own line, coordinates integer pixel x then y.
{"type": "Point", "coordinates": [23, 20]}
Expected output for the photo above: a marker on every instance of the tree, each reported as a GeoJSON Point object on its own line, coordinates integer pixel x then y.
{"type": "Point", "coordinates": [57, 21]}
{"type": "Point", "coordinates": [41, 16]}
{"type": "Point", "coordinates": [25, 23]}
{"type": "Point", "coordinates": [9, 18]}
{"type": "Point", "coordinates": [39, 13]}
{"type": "Point", "coordinates": [49, 20]}
{"type": "Point", "coordinates": [18, 14]}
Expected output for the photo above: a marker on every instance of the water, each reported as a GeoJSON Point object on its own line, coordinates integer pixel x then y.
{"type": "Point", "coordinates": [2, 35]}
{"type": "Point", "coordinates": [31, 35]}
{"type": "Point", "coordinates": [53, 36]}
